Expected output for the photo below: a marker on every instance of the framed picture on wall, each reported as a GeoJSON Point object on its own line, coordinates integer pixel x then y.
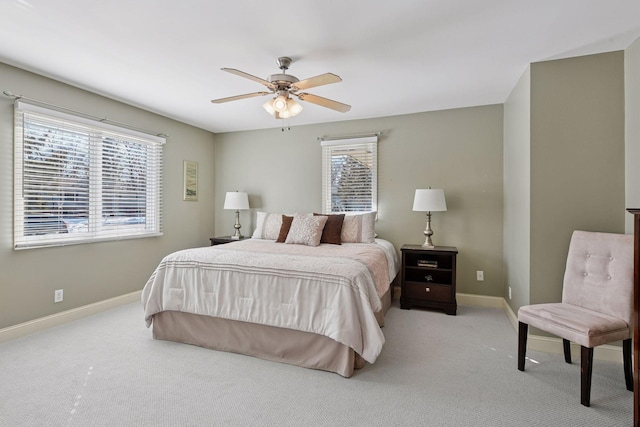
{"type": "Point", "coordinates": [190, 190]}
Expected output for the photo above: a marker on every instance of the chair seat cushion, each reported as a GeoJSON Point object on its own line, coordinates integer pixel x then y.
{"type": "Point", "coordinates": [585, 327]}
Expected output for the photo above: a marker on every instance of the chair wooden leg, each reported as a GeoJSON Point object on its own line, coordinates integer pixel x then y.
{"type": "Point", "coordinates": [626, 357]}
{"type": "Point", "coordinates": [566, 346]}
{"type": "Point", "coordinates": [586, 368]}
{"type": "Point", "coordinates": [523, 329]}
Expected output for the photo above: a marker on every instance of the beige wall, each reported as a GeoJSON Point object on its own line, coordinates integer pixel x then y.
{"type": "Point", "coordinates": [458, 150]}
{"type": "Point", "coordinates": [94, 272]}
{"type": "Point", "coordinates": [632, 129]}
{"type": "Point", "coordinates": [563, 165]}
{"type": "Point", "coordinates": [517, 191]}
{"type": "Point", "coordinates": [577, 160]}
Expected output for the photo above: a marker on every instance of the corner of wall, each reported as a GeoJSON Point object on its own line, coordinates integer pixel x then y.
{"type": "Point", "coordinates": [632, 129]}
{"type": "Point", "coordinates": [516, 187]}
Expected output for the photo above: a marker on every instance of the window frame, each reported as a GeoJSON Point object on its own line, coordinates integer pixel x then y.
{"type": "Point", "coordinates": [99, 138]}
{"type": "Point", "coordinates": [330, 147]}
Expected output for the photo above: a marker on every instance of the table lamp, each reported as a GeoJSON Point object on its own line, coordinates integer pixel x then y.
{"type": "Point", "coordinates": [429, 200]}
{"type": "Point", "coordinates": [236, 200]}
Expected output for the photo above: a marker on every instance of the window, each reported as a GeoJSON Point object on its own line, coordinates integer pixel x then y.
{"type": "Point", "coordinates": [349, 175]}
{"type": "Point", "coordinates": [78, 180]}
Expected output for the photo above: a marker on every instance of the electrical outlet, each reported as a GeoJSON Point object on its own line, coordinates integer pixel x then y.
{"type": "Point", "coordinates": [58, 295]}
{"type": "Point", "coordinates": [480, 275]}
{"type": "Point", "coordinates": [509, 292]}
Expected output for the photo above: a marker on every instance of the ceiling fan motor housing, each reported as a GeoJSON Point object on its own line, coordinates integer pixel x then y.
{"type": "Point", "coordinates": [283, 81]}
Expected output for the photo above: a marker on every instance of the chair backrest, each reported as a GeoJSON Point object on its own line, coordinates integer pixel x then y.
{"type": "Point", "coordinates": [599, 273]}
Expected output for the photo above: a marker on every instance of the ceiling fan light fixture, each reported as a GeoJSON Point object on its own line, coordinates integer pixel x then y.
{"type": "Point", "coordinates": [280, 104]}
{"type": "Point", "coordinates": [293, 107]}
{"type": "Point", "coordinates": [268, 106]}
{"type": "Point", "coordinates": [284, 115]}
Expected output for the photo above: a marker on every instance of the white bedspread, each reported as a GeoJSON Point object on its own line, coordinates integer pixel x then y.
{"type": "Point", "coordinates": [328, 290]}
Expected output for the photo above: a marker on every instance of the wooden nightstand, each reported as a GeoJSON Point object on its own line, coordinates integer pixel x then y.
{"type": "Point", "coordinates": [225, 239]}
{"type": "Point", "coordinates": [429, 277]}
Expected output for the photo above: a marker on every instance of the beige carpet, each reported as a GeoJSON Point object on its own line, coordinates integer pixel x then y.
{"type": "Point", "coordinates": [435, 370]}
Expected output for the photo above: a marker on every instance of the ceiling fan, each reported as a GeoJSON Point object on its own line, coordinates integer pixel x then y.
{"type": "Point", "coordinates": [282, 86]}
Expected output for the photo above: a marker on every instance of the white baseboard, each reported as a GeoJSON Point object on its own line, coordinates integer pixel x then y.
{"type": "Point", "coordinates": [480, 300]}
{"type": "Point", "coordinates": [43, 323]}
{"type": "Point", "coordinates": [534, 342]}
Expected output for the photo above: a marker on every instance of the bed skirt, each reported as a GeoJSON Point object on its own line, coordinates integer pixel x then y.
{"type": "Point", "coordinates": [298, 348]}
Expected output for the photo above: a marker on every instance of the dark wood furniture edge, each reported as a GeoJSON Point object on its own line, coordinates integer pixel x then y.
{"type": "Point", "coordinates": [435, 248]}
{"type": "Point", "coordinates": [636, 319]}
{"type": "Point", "coordinates": [220, 240]}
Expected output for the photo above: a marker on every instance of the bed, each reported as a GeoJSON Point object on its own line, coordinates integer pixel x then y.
{"type": "Point", "coordinates": [316, 306]}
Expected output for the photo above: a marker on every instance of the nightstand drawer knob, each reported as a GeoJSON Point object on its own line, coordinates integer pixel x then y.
{"type": "Point", "coordinates": [427, 289]}
{"type": "Point", "coordinates": [428, 278]}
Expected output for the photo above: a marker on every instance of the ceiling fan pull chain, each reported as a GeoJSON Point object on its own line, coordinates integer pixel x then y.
{"type": "Point", "coordinates": [288, 125]}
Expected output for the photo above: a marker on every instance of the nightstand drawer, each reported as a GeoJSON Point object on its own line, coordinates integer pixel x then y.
{"type": "Point", "coordinates": [421, 291]}
{"type": "Point", "coordinates": [428, 275]}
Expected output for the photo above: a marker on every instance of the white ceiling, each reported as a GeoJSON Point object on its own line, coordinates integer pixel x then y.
{"type": "Point", "coordinates": [395, 57]}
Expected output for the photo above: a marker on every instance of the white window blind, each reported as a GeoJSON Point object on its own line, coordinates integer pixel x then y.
{"type": "Point", "coordinates": [80, 181]}
{"type": "Point", "coordinates": [350, 175]}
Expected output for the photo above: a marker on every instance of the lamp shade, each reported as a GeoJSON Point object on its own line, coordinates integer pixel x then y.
{"type": "Point", "coordinates": [429, 200]}
{"type": "Point", "coordinates": [236, 200]}
{"type": "Point", "coordinates": [280, 104]}
{"type": "Point", "coordinates": [269, 107]}
{"type": "Point", "coordinates": [293, 107]}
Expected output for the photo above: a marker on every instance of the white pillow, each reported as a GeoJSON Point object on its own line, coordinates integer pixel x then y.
{"type": "Point", "coordinates": [306, 230]}
{"type": "Point", "coordinates": [359, 228]}
{"type": "Point", "coordinates": [267, 226]}
{"type": "Point", "coordinates": [257, 233]}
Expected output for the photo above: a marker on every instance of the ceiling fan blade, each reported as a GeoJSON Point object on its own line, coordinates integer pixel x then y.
{"type": "Point", "coordinates": [250, 77]}
{"type": "Point", "coordinates": [325, 102]}
{"type": "Point", "coordinates": [235, 98]}
{"type": "Point", "coordinates": [322, 79]}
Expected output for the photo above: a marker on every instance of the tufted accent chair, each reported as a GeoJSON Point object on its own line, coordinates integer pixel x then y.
{"type": "Point", "coordinates": [596, 307]}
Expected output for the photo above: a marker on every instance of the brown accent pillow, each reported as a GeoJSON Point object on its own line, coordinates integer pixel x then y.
{"type": "Point", "coordinates": [284, 228]}
{"type": "Point", "coordinates": [333, 229]}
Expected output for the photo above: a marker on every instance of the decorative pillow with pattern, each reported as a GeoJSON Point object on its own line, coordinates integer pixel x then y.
{"type": "Point", "coordinates": [359, 228]}
{"type": "Point", "coordinates": [306, 230]}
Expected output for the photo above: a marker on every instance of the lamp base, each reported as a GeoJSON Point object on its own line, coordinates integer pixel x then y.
{"type": "Point", "coordinates": [237, 226]}
{"type": "Point", "coordinates": [428, 244]}
{"type": "Point", "coordinates": [428, 232]}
